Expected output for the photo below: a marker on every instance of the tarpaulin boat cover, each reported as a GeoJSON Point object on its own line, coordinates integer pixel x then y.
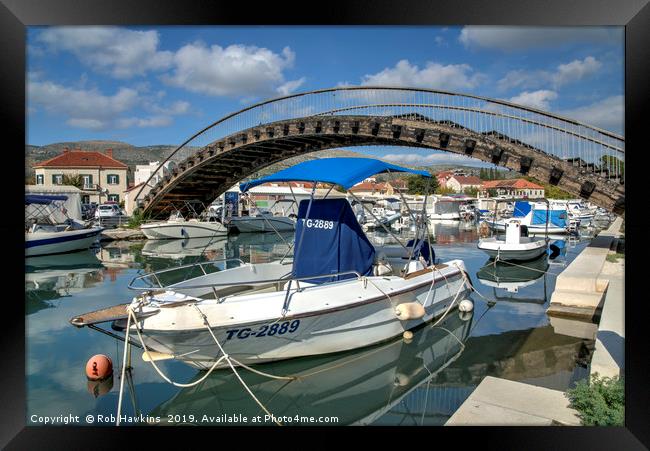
{"type": "Point", "coordinates": [345, 172]}
{"type": "Point", "coordinates": [521, 209]}
{"type": "Point", "coordinates": [332, 242]}
{"type": "Point", "coordinates": [555, 217]}
{"type": "Point", "coordinates": [42, 199]}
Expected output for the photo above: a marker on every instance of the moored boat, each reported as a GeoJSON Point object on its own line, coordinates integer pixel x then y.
{"type": "Point", "coordinates": [516, 245]}
{"type": "Point", "coordinates": [335, 294]}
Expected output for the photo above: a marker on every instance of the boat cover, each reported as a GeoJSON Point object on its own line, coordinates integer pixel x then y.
{"type": "Point", "coordinates": [345, 172]}
{"type": "Point", "coordinates": [332, 241]}
{"type": "Point", "coordinates": [556, 217]}
{"type": "Point", "coordinates": [521, 209]}
{"type": "Point", "coordinates": [42, 199]}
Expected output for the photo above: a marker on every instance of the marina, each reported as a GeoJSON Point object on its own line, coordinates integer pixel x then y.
{"type": "Point", "coordinates": [434, 372]}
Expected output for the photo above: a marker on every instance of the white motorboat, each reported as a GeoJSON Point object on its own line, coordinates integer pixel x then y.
{"type": "Point", "coordinates": [536, 217]}
{"type": "Point", "coordinates": [334, 296]}
{"type": "Point", "coordinates": [46, 239]}
{"type": "Point", "coordinates": [178, 227]}
{"type": "Point", "coordinates": [443, 207]}
{"type": "Point", "coordinates": [356, 387]}
{"type": "Point", "coordinates": [516, 245]}
{"type": "Point", "coordinates": [263, 221]}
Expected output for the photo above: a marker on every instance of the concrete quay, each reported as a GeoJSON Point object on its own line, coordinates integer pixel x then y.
{"type": "Point", "coordinates": [121, 234]}
{"type": "Point", "coordinates": [580, 289]}
{"type": "Point", "coordinates": [501, 402]}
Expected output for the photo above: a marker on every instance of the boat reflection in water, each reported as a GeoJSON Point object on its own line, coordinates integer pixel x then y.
{"type": "Point", "coordinates": [357, 387]}
{"type": "Point", "coordinates": [511, 276]}
{"type": "Point", "coordinates": [51, 277]}
{"type": "Point", "coordinates": [189, 247]}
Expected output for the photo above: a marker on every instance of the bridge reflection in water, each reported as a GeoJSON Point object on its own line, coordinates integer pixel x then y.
{"type": "Point", "coordinates": [579, 158]}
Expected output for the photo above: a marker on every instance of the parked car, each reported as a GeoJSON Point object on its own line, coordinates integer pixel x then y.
{"type": "Point", "coordinates": [107, 211]}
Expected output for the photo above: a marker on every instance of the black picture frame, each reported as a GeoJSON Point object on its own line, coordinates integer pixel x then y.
{"type": "Point", "coordinates": [16, 15]}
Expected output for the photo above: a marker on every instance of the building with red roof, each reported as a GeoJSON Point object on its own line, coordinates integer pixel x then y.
{"type": "Point", "coordinates": [104, 177]}
{"type": "Point", "coordinates": [459, 183]}
{"type": "Point", "coordinates": [514, 188]}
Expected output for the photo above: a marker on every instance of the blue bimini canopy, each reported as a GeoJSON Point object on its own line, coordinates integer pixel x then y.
{"type": "Point", "coordinates": [345, 172]}
{"type": "Point", "coordinates": [329, 241]}
{"type": "Point", "coordinates": [42, 199]}
{"type": "Point", "coordinates": [521, 209]}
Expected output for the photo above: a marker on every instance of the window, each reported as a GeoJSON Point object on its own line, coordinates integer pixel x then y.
{"type": "Point", "coordinates": [113, 179]}
{"type": "Point", "coordinates": [113, 197]}
{"type": "Point", "coordinates": [39, 179]}
{"type": "Point", "coordinates": [57, 179]}
{"type": "Point", "coordinates": [88, 180]}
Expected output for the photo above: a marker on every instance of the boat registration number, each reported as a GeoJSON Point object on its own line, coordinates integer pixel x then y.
{"type": "Point", "coordinates": [266, 330]}
{"type": "Point", "coordinates": [319, 224]}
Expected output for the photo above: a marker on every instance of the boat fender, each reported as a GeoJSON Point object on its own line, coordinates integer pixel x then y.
{"type": "Point", "coordinates": [99, 367]}
{"type": "Point", "coordinates": [409, 310]}
{"type": "Point", "coordinates": [466, 305]}
{"type": "Point", "coordinates": [408, 335]}
{"type": "Point", "coordinates": [401, 380]}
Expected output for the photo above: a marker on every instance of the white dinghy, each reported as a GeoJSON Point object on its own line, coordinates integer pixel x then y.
{"type": "Point", "coordinates": [334, 296]}
{"type": "Point", "coordinates": [517, 245]}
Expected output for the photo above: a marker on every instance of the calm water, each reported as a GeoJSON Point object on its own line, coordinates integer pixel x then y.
{"type": "Point", "coordinates": [395, 383]}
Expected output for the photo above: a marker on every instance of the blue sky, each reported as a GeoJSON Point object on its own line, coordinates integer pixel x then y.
{"type": "Point", "coordinates": [149, 86]}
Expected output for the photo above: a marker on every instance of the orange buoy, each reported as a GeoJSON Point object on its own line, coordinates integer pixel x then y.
{"type": "Point", "coordinates": [99, 367]}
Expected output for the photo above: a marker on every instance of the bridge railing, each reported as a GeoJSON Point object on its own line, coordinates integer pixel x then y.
{"type": "Point", "coordinates": [594, 149]}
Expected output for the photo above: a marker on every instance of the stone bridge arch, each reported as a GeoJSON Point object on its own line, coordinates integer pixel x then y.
{"type": "Point", "coordinates": [583, 160]}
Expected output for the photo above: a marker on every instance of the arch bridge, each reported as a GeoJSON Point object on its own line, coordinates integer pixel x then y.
{"type": "Point", "coordinates": [581, 159]}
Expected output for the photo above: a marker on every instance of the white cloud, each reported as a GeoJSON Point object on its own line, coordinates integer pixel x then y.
{"type": "Point", "coordinates": [432, 76]}
{"type": "Point", "coordinates": [231, 71]}
{"type": "Point", "coordinates": [564, 74]}
{"type": "Point", "coordinates": [290, 86]}
{"type": "Point", "coordinates": [512, 38]}
{"type": "Point", "coordinates": [576, 70]}
{"type": "Point", "coordinates": [415, 159]}
{"type": "Point", "coordinates": [608, 114]}
{"type": "Point", "coordinates": [90, 109]}
{"type": "Point", "coordinates": [154, 121]}
{"type": "Point", "coordinates": [535, 99]}
{"type": "Point", "coordinates": [120, 52]}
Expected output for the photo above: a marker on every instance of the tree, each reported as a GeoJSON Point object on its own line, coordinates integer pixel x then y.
{"type": "Point", "coordinates": [471, 191]}
{"type": "Point", "coordinates": [417, 184]}
{"type": "Point", "coordinates": [73, 180]}
{"type": "Point", "coordinates": [612, 163]}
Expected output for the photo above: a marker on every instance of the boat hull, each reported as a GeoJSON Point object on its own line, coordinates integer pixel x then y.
{"type": "Point", "coordinates": [47, 243]}
{"type": "Point", "coordinates": [366, 319]}
{"type": "Point", "coordinates": [503, 251]}
{"type": "Point", "coordinates": [258, 224]}
{"type": "Point", "coordinates": [182, 230]}
{"type": "Point", "coordinates": [532, 229]}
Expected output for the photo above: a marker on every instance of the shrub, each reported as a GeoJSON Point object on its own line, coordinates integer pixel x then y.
{"type": "Point", "coordinates": [600, 402]}
{"type": "Point", "coordinates": [136, 219]}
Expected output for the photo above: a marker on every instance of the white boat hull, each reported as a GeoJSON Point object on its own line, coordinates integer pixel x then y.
{"type": "Point", "coordinates": [182, 230]}
{"type": "Point", "coordinates": [504, 251]}
{"type": "Point", "coordinates": [254, 224]}
{"type": "Point", "coordinates": [321, 319]}
{"type": "Point", "coordinates": [46, 243]}
{"type": "Point", "coordinates": [532, 229]}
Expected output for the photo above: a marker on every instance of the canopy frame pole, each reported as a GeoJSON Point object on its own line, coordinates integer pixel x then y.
{"type": "Point", "coordinates": [378, 221]}
{"type": "Point", "coordinates": [285, 305]}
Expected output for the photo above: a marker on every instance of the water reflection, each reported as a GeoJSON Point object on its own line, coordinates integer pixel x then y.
{"type": "Point", "coordinates": [511, 276]}
{"type": "Point", "coordinates": [393, 383]}
{"type": "Point", "coordinates": [356, 387]}
{"type": "Point", "coordinates": [51, 277]}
